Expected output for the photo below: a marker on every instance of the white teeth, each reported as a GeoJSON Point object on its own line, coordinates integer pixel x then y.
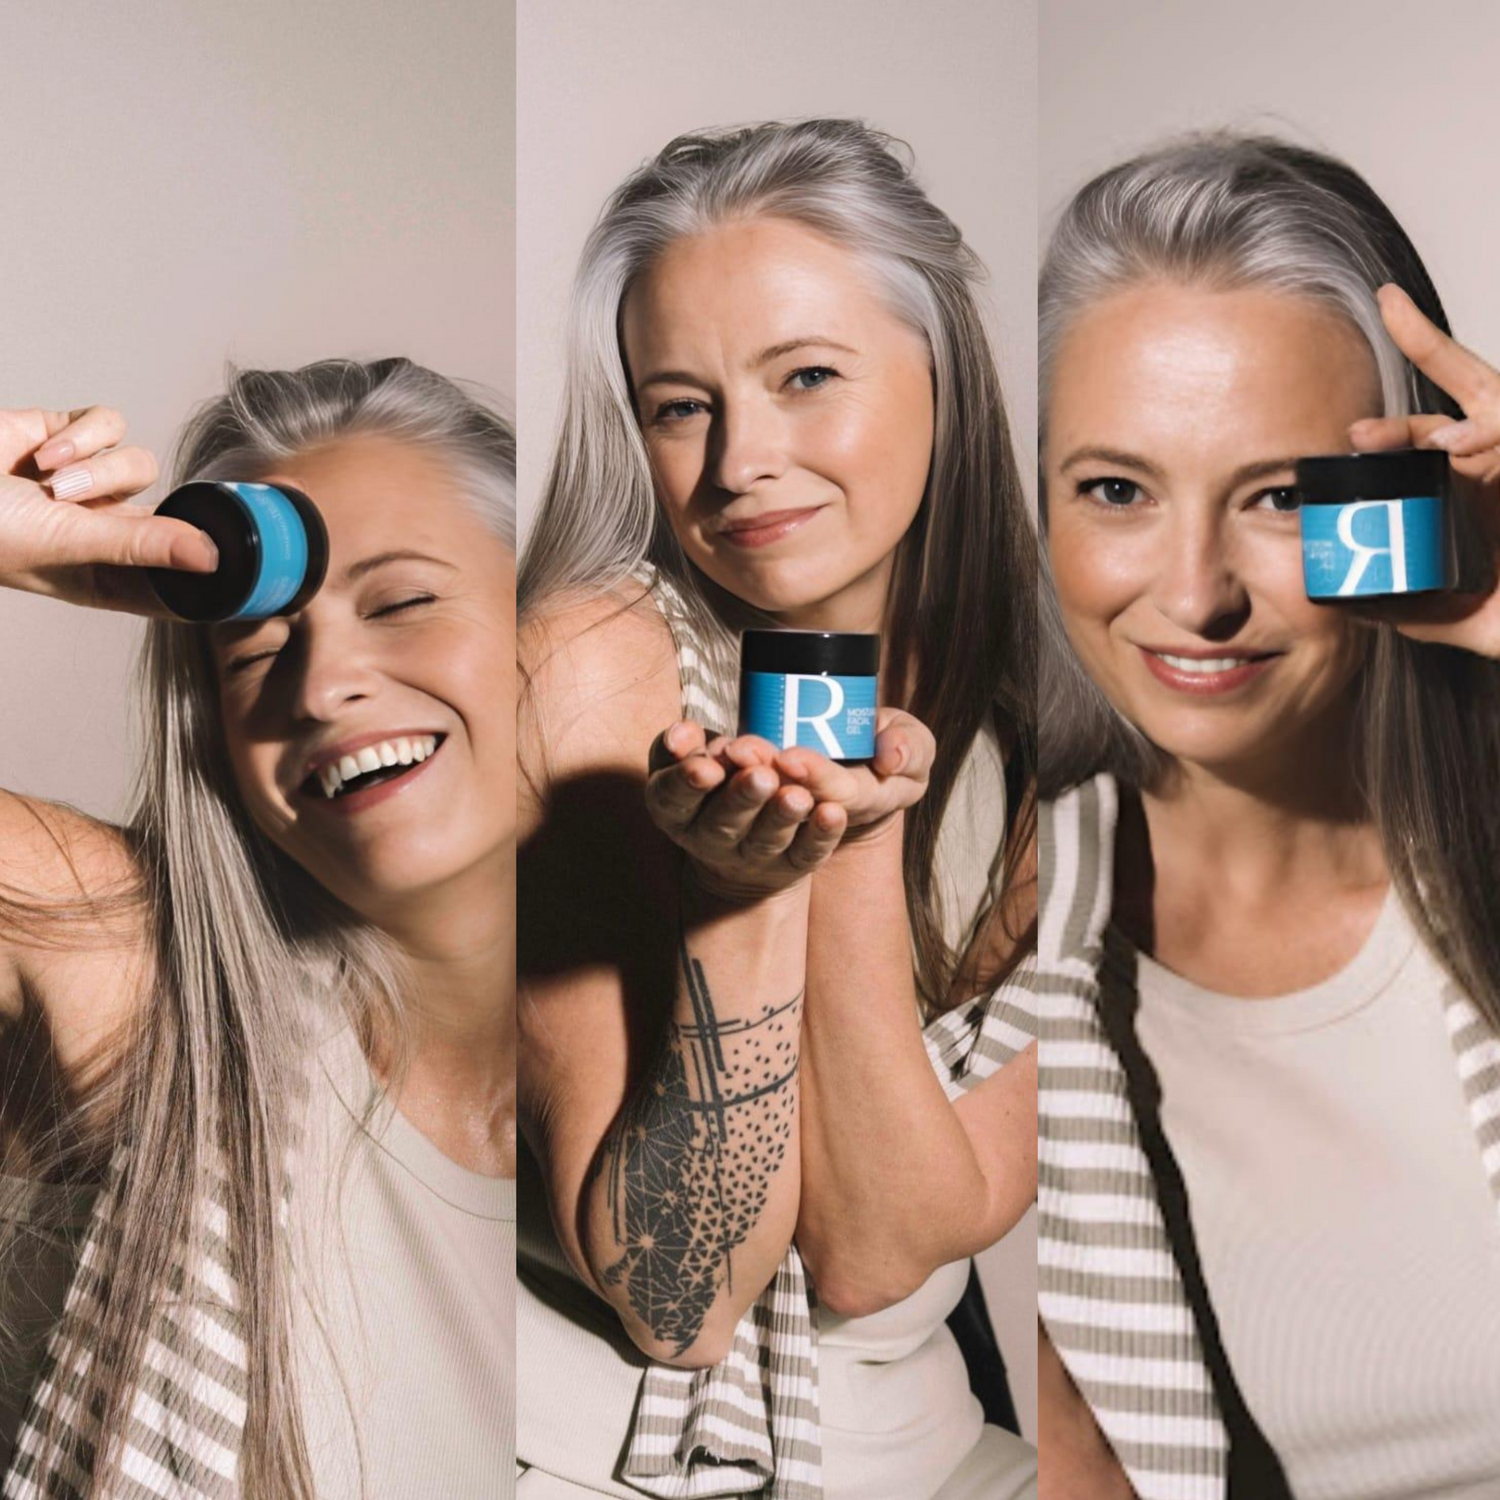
{"type": "Point", "coordinates": [1204, 665]}
{"type": "Point", "coordinates": [402, 751]}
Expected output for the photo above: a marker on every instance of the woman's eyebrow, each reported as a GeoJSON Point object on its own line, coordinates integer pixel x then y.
{"type": "Point", "coordinates": [756, 361]}
{"type": "Point", "coordinates": [790, 346]}
{"type": "Point", "coordinates": [1094, 453]}
{"type": "Point", "coordinates": [380, 559]}
{"type": "Point", "coordinates": [1260, 468]}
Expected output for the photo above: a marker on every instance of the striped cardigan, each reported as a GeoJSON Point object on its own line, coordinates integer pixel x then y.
{"type": "Point", "coordinates": [749, 1425]}
{"type": "Point", "coordinates": [1109, 1289]}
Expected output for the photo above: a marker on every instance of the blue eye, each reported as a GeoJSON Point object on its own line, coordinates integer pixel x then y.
{"type": "Point", "coordinates": [677, 411]}
{"type": "Point", "coordinates": [1284, 501]}
{"type": "Point", "coordinates": [1118, 494]}
{"type": "Point", "coordinates": [816, 375]}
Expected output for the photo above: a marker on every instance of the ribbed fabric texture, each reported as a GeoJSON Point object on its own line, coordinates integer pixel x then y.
{"type": "Point", "coordinates": [1340, 1213]}
{"type": "Point", "coordinates": [1110, 1292]}
{"type": "Point", "coordinates": [750, 1425]}
{"type": "Point", "coordinates": [433, 1289]}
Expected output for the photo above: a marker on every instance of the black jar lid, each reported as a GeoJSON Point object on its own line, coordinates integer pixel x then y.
{"type": "Point", "coordinates": [834, 653]}
{"type": "Point", "coordinates": [1341, 477]}
{"type": "Point", "coordinates": [217, 509]}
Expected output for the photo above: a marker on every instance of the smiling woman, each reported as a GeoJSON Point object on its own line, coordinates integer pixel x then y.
{"type": "Point", "coordinates": [782, 413]}
{"type": "Point", "coordinates": [259, 1041]}
{"type": "Point", "coordinates": [1269, 1095]}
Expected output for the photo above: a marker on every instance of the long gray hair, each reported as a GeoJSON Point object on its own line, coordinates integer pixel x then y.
{"type": "Point", "coordinates": [964, 572]}
{"type": "Point", "coordinates": [1231, 210]}
{"type": "Point", "coordinates": [249, 950]}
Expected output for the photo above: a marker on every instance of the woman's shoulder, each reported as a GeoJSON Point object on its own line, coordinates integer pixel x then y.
{"type": "Point", "coordinates": [599, 673]}
{"type": "Point", "coordinates": [74, 927]}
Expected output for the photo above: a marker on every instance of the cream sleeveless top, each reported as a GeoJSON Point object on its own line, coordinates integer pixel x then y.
{"type": "Point", "coordinates": [406, 1262]}
{"type": "Point", "coordinates": [1339, 1202]}
{"type": "Point", "coordinates": [898, 1419]}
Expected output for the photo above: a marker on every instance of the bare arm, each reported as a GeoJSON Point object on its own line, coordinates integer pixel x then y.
{"type": "Point", "coordinates": [658, 1018]}
{"type": "Point", "coordinates": [1075, 1459]}
{"type": "Point", "coordinates": [897, 1181]}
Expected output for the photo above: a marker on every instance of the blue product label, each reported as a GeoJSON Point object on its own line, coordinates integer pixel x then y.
{"type": "Point", "coordinates": [283, 551]}
{"type": "Point", "coordinates": [833, 715]}
{"type": "Point", "coordinates": [1375, 547]}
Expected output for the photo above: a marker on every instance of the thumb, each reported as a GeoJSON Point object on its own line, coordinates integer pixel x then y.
{"type": "Point", "coordinates": [141, 540]}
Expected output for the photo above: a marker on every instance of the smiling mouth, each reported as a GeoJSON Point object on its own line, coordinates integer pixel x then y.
{"type": "Point", "coordinates": [371, 766]}
{"type": "Point", "coordinates": [1206, 674]}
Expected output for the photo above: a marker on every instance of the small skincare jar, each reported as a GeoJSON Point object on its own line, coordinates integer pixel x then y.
{"type": "Point", "coordinates": [813, 688]}
{"type": "Point", "coordinates": [1376, 524]}
{"type": "Point", "coordinates": [273, 552]}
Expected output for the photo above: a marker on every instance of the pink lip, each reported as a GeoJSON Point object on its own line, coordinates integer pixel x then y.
{"type": "Point", "coordinates": [762, 530]}
{"type": "Point", "coordinates": [1204, 684]}
{"type": "Point", "coordinates": [346, 804]}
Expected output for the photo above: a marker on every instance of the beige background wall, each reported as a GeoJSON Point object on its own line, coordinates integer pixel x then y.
{"type": "Point", "coordinates": [269, 183]}
{"type": "Point", "coordinates": [1405, 94]}
{"type": "Point", "coordinates": [604, 86]}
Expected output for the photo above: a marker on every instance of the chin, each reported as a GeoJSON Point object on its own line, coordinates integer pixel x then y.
{"type": "Point", "coordinates": [780, 587]}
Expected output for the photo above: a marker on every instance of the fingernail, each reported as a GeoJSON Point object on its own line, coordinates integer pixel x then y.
{"type": "Point", "coordinates": [50, 455]}
{"type": "Point", "coordinates": [67, 483]}
{"type": "Point", "coordinates": [211, 548]}
{"type": "Point", "coordinates": [1446, 437]}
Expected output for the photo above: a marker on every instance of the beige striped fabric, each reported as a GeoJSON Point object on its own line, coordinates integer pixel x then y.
{"type": "Point", "coordinates": [187, 1413]}
{"type": "Point", "coordinates": [749, 1425]}
{"type": "Point", "coordinates": [1108, 1286]}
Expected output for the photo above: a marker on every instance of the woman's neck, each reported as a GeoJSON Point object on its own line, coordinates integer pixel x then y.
{"type": "Point", "coordinates": [458, 947]}
{"type": "Point", "coordinates": [1212, 859]}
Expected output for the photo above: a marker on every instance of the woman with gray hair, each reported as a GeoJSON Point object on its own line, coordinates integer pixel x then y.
{"type": "Point", "coordinates": [781, 411]}
{"type": "Point", "coordinates": [1270, 930]}
{"type": "Point", "coordinates": [258, 1041]}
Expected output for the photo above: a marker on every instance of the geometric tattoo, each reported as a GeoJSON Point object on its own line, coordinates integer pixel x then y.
{"type": "Point", "coordinates": [691, 1161]}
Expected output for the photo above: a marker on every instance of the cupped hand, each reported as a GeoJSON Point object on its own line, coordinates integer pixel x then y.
{"type": "Point", "coordinates": [1469, 621]}
{"type": "Point", "coordinates": [870, 795]}
{"type": "Point", "coordinates": [748, 830]}
{"type": "Point", "coordinates": [66, 527]}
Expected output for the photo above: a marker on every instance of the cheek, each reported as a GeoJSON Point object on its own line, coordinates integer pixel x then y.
{"type": "Point", "coordinates": [676, 469]}
{"type": "Point", "coordinates": [1097, 577]}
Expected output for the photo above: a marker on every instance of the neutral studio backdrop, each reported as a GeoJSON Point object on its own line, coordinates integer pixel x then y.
{"type": "Point", "coordinates": [190, 184]}
{"type": "Point", "coordinates": [603, 87]}
{"type": "Point", "coordinates": [1406, 96]}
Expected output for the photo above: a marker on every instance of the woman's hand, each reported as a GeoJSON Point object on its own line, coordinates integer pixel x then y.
{"type": "Point", "coordinates": [872, 795]}
{"type": "Point", "coordinates": [1470, 621]}
{"type": "Point", "coordinates": [65, 527]}
{"type": "Point", "coordinates": [749, 831]}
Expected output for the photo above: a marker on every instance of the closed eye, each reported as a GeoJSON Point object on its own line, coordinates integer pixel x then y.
{"type": "Point", "coordinates": [401, 604]}
{"type": "Point", "coordinates": [239, 664]}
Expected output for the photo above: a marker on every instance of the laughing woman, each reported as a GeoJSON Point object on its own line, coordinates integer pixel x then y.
{"type": "Point", "coordinates": [1270, 1102]}
{"type": "Point", "coordinates": [257, 1043]}
{"type": "Point", "coordinates": [781, 412]}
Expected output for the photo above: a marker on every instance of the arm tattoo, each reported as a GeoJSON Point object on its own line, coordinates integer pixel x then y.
{"type": "Point", "coordinates": [691, 1161]}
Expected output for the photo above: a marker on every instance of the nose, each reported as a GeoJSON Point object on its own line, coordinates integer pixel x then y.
{"type": "Point", "coordinates": [1198, 586]}
{"type": "Point", "coordinates": [330, 670]}
{"type": "Point", "coordinates": [748, 447]}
